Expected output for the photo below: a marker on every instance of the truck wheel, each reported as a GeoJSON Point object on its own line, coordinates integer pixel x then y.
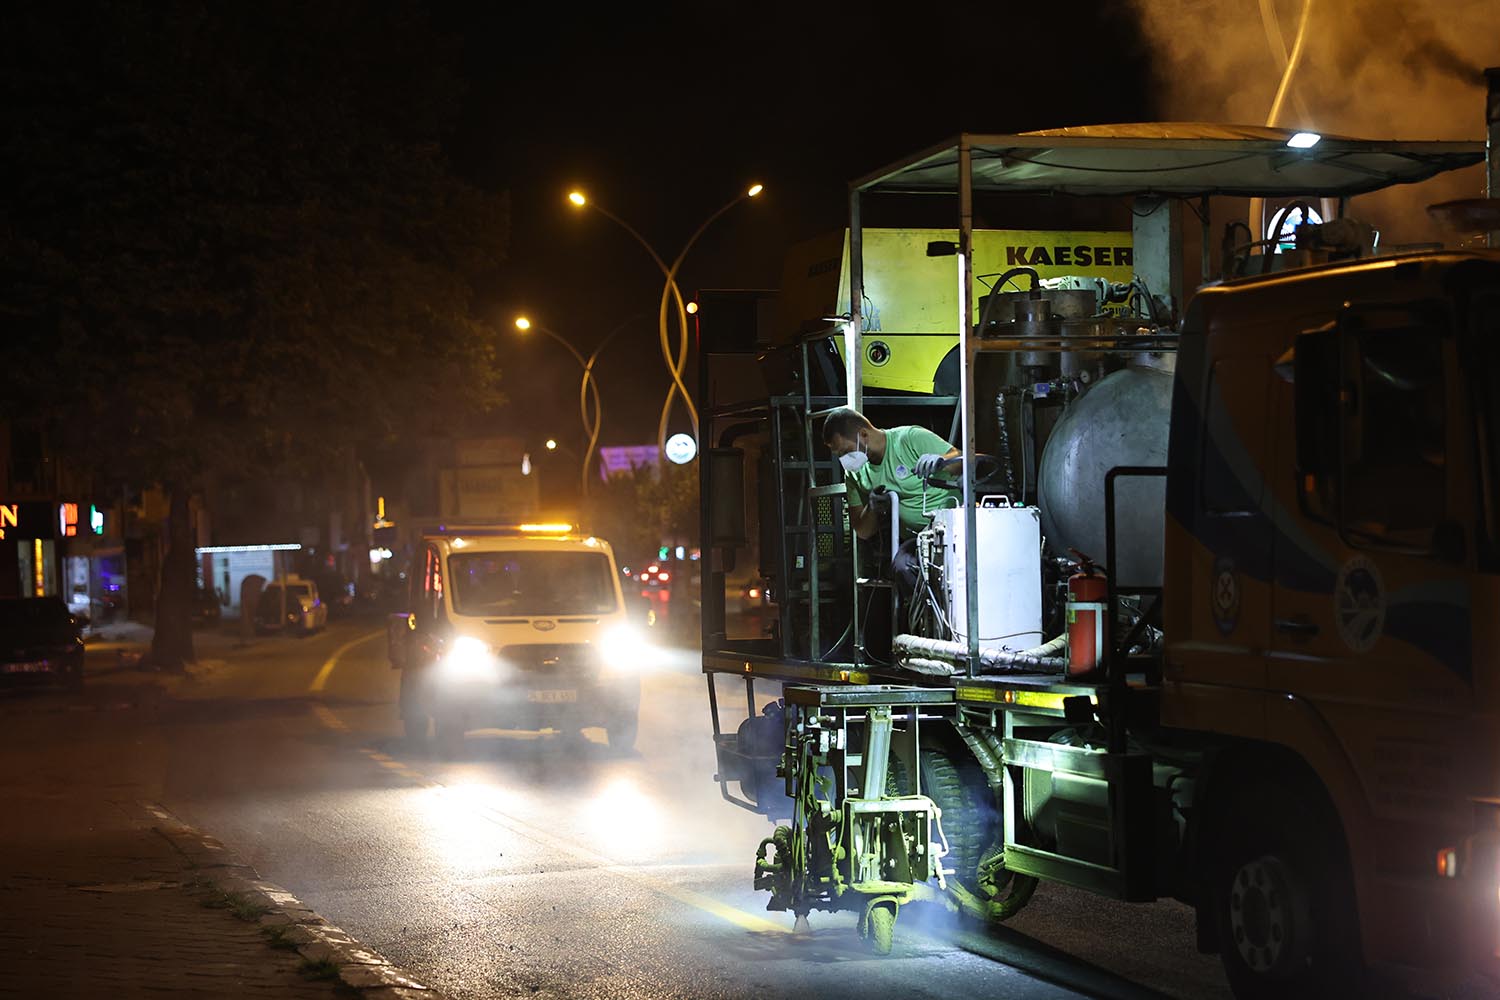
{"type": "Point", "coordinates": [1283, 900]}
{"type": "Point", "coordinates": [967, 818]}
{"type": "Point", "coordinates": [1008, 892]}
{"type": "Point", "coordinates": [621, 733]}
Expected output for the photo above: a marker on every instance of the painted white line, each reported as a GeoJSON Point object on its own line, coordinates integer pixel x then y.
{"type": "Point", "coordinates": [333, 661]}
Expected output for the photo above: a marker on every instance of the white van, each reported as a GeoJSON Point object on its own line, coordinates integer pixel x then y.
{"type": "Point", "coordinates": [518, 627]}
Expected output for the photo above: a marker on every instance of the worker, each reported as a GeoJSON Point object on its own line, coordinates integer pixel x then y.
{"type": "Point", "coordinates": [896, 460]}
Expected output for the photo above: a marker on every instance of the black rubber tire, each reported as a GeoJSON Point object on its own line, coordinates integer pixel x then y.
{"type": "Point", "coordinates": [415, 720]}
{"type": "Point", "coordinates": [961, 793]}
{"type": "Point", "coordinates": [881, 929]}
{"type": "Point", "coordinates": [621, 733]}
{"type": "Point", "coordinates": [1282, 872]}
{"type": "Point", "coordinates": [448, 731]}
{"type": "Point", "coordinates": [1007, 892]}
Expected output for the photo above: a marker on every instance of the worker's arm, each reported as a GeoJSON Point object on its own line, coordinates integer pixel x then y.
{"type": "Point", "coordinates": [864, 521]}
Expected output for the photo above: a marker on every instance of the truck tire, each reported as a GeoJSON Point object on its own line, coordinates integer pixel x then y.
{"type": "Point", "coordinates": [967, 818]}
{"type": "Point", "coordinates": [1283, 898]}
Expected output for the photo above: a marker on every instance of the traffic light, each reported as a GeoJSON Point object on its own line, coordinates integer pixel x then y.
{"type": "Point", "coordinates": [663, 552]}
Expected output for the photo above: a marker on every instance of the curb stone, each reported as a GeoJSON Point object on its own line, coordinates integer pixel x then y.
{"type": "Point", "coordinates": [314, 937]}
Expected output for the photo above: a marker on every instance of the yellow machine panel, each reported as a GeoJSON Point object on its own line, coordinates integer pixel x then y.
{"type": "Point", "coordinates": [911, 299]}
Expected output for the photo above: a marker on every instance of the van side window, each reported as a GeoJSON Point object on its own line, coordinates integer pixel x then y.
{"type": "Point", "coordinates": [1394, 435]}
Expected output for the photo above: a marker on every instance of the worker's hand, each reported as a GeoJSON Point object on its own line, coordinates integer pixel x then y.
{"type": "Point", "coordinates": [928, 465]}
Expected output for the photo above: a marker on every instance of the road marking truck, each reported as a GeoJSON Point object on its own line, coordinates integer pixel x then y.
{"type": "Point", "coordinates": [1262, 532]}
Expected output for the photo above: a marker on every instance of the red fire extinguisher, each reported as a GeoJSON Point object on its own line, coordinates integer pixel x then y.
{"type": "Point", "coordinates": [1088, 594]}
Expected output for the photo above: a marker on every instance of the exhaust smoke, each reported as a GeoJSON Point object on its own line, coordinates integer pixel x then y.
{"type": "Point", "coordinates": [1397, 69]}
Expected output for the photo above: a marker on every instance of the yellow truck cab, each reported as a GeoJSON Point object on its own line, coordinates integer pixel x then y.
{"type": "Point", "coordinates": [516, 627]}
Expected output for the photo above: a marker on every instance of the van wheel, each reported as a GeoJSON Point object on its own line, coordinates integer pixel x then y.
{"type": "Point", "coordinates": [448, 729]}
{"type": "Point", "coordinates": [621, 733]}
{"type": "Point", "coordinates": [1283, 899]}
{"type": "Point", "coordinates": [414, 718]}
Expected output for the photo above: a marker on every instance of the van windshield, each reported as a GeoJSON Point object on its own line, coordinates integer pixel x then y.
{"type": "Point", "coordinates": [531, 583]}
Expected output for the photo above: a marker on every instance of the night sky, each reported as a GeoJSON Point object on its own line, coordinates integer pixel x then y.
{"type": "Point", "coordinates": [665, 116]}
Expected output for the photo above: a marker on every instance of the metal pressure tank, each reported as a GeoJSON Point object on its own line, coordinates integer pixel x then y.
{"type": "Point", "coordinates": [1122, 420]}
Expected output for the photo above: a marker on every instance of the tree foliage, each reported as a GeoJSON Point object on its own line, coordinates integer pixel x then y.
{"type": "Point", "coordinates": [641, 510]}
{"type": "Point", "coordinates": [231, 241]}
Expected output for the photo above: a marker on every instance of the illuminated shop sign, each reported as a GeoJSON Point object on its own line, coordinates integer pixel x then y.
{"type": "Point", "coordinates": [67, 520]}
{"type": "Point", "coordinates": [28, 520]}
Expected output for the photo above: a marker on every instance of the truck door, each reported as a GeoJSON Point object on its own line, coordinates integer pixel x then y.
{"type": "Point", "coordinates": [1370, 629]}
{"type": "Point", "coordinates": [1232, 573]}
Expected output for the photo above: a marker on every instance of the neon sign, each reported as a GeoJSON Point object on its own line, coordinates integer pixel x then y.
{"type": "Point", "coordinates": [67, 519]}
{"type": "Point", "coordinates": [10, 514]}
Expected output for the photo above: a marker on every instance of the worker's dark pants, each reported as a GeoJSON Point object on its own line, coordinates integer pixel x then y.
{"type": "Point", "coordinates": [904, 569]}
{"type": "Point", "coordinates": [876, 614]}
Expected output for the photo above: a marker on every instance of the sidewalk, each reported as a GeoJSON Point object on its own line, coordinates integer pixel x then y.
{"type": "Point", "coordinates": [103, 893]}
{"type": "Point", "coordinates": [96, 902]}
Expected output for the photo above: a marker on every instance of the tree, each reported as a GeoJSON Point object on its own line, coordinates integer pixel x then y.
{"type": "Point", "coordinates": [232, 242]}
{"type": "Point", "coordinates": [640, 510]}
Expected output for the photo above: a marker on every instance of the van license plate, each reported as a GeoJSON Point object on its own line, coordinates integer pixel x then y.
{"type": "Point", "coordinates": [552, 697]}
{"type": "Point", "coordinates": [34, 667]}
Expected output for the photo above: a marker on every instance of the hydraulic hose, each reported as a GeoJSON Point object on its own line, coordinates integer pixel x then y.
{"type": "Point", "coordinates": [983, 754]}
{"type": "Point", "coordinates": [1010, 476]}
{"type": "Point", "coordinates": [1043, 657]}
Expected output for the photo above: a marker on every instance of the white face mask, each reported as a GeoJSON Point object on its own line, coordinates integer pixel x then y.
{"type": "Point", "coordinates": [854, 461]}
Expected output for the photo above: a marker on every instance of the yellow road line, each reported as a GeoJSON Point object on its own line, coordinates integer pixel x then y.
{"type": "Point", "coordinates": [325, 715]}
{"type": "Point", "coordinates": [333, 661]}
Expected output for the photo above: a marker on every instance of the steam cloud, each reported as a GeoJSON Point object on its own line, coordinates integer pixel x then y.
{"type": "Point", "coordinates": [1378, 69]}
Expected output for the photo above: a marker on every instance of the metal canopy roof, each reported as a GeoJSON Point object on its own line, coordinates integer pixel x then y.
{"type": "Point", "coordinates": [1172, 158]}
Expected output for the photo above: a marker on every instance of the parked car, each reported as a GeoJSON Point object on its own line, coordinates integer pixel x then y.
{"type": "Point", "coordinates": [206, 605]}
{"type": "Point", "coordinates": [304, 612]}
{"type": "Point", "coordinates": [40, 642]}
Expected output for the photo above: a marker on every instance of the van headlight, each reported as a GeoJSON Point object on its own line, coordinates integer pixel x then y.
{"type": "Point", "coordinates": [468, 659]}
{"type": "Point", "coordinates": [625, 649]}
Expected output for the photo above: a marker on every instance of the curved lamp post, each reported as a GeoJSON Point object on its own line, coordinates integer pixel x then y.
{"type": "Point", "coordinates": [670, 292]}
{"type": "Point", "coordinates": [588, 388]}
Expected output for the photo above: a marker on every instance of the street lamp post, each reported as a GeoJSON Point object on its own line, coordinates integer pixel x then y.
{"type": "Point", "coordinates": [670, 291]}
{"type": "Point", "coordinates": [588, 388]}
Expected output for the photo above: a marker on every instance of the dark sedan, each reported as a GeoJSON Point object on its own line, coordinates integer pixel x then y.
{"type": "Point", "coordinates": [40, 642]}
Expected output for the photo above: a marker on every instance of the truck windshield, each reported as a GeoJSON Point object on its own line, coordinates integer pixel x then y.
{"type": "Point", "coordinates": [531, 583]}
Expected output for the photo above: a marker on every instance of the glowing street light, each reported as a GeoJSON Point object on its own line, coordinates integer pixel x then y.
{"type": "Point", "coordinates": [670, 291]}
{"type": "Point", "coordinates": [588, 389]}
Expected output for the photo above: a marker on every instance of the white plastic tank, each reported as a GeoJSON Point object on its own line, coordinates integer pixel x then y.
{"type": "Point", "coordinates": [1010, 573]}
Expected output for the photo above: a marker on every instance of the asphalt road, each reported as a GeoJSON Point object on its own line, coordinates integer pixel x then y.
{"type": "Point", "coordinates": [542, 865]}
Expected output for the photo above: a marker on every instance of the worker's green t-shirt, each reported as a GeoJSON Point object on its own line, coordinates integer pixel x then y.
{"type": "Point", "coordinates": [897, 473]}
